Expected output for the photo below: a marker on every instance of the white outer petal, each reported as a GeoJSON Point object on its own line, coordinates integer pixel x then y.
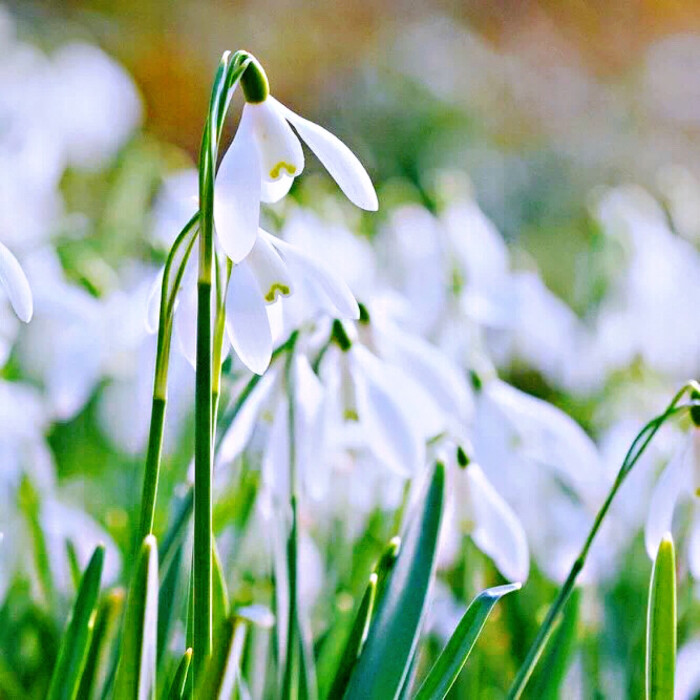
{"type": "Point", "coordinates": [498, 531]}
{"type": "Point", "coordinates": [694, 543]}
{"type": "Point", "coordinates": [15, 283]}
{"type": "Point", "coordinates": [388, 427]}
{"type": "Point", "coordinates": [246, 319]}
{"type": "Point", "coordinates": [309, 420]}
{"type": "Point", "coordinates": [243, 424]}
{"type": "Point", "coordinates": [337, 158]}
{"type": "Point", "coordinates": [329, 282]}
{"type": "Point", "coordinates": [435, 372]}
{"type": "Point", "coordinates": [237, 194]}
{"type": "Point", "coordinates": [552, 438]}
{"type": "Point", "coordinates": [688, 671]}
{"type": "Point", "coordinates": [675, 479]}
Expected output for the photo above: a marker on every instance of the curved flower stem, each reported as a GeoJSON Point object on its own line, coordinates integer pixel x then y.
{"type": "Point", "coordinates": [292, 662]}
{"type": "Point", "coordinates": [635, 451]}
{"type": "Point", "coordinates": [230, 70]}
{"type": "Point", "coordinates": [183, 245]}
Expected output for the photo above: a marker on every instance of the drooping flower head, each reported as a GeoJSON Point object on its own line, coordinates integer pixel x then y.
{"type": "Point", "coordinates": [265, 157]}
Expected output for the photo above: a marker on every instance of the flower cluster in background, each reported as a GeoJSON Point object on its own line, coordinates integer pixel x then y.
{"type": "Point", "coordinates": [431, 330]}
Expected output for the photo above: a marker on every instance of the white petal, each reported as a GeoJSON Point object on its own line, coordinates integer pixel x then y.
{"type": "Point", "coordinates": [274, 191]}
{"type": "Point", "coordinates": [443, 380]}
{"type": "Point", "coordinates": [550, 437]}
{"type": "Point", "coordinates": [237, 194]}
{"type": "Point", "coordinates": [338, 159]}
{"type": "Point", "coordinates": [238, 435]}
{"type": "Point", "coordinates": [153, 303]}
{"type": "Point", "coordinates": [269, 269]}
{"type": "Point", "coordinates": [246, 319]}
{"type": "Point", "coordinates": [275, 464]}
{"type": "Point", "coordinates": [328, 281]}
{"type": "Point", "coordinates": [278, 147]}
{"type": "Point", "coordinates": [674, 480]}
{"type": "Point", "coordinates": [388, 427]}
{"type": "Point", "coordinates": [694, 543]}
{"type": "Point", "coordinates": [498, 531]}
{"type": "Point", "coordinates": [688, 671]}
{"type": "Point", "coordinates": [15, 283]}
{"type": "Point", "coordinates": [308, 409]}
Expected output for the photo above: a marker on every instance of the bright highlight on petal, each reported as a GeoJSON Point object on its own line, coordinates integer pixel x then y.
{"type": "Point", "coordinates": [246, 319]}
{"type": "Point", "coordinates": [337, 158]}
{"type": "Point", "coordinates": [15, 284]}
{"type": "Point", "coordinates": [237, 194]}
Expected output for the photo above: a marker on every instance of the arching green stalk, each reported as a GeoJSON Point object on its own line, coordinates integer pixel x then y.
{"type": "Point", "coordinates": [175, 268]}
{"type": "Point", "coordinates": [230, 70]}
{"type": "Point", "coordinates": [635, 451]}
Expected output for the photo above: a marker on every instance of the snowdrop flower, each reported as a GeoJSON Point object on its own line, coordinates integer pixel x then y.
{"type": "Point", "coordinates": [269, 403]}
{"type": "Point", "coordinates": [680, 481]}
{"type": "Point", "coordinates": [475, 508]}
{"type": "Point", "coordinates": [265, 157]}
{"type": "Point", "coordinates": [15, 284]}
{"type": "Point", "coordinates": [544, 465]}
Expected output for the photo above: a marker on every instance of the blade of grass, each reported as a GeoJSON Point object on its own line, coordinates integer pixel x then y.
{"type": "Point", "coordinates": [449, 664]}
{"type": "Point", "coordinates": [393, 635]}
{"type": "Point", "coordinates": [75, 644]}
{"type": "Point", "coordinates": [136, 672]}
{"type": "Point", "coordinates": [661, 625]}
{"type": "Point", "coordinates": [178, 687]}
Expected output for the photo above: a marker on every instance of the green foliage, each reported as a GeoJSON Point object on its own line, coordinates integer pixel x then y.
{"type": "Point", "coordinates": [661, 625]}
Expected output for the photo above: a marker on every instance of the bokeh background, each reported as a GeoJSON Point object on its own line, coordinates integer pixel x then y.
{"type": "Point", "coordinates": [565, 121]}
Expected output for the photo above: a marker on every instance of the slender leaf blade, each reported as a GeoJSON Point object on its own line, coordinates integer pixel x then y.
{"type": "Point", "coordinates": [178, 687]}
{"type": "Point", "coordinates": [661, 625]}
{"type": "Point", "coordinates": [137, 663]}
{"type": "Point", "coordinates": [220, 674]}
{"type": "Point", "coordinates": [393, 635]}
{"type": "Point", "coordinates": [75, 644]}
{"type": "Point", "coordinates": [449, 664]}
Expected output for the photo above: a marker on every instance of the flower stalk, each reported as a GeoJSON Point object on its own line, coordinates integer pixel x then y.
{"type": "Point", "coordinates": [182, 246]}
{"type": "Point", "coordinates": [636, 450]}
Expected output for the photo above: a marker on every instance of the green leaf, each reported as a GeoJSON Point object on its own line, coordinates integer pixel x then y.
{"type": "Point", "coordinates": [135, 679]}
{"type": "Point", "coordinates": [356, 639]}
{"type": "Point", "coordinates": [221, 671]}
{"type": "Point", "coordinates": [661, 625]}
{"type": "Point", "coordinates": [220, 604]}
{"type": "Point", "coordinates": [449, 664]}
{"type": "Point", "coordinates": [547, 684]}
{"type": "Point", "coordinates": [99, 660]}
{"type": "Point", "coordinates": [178, 687]}
{"type": "Point", "coordinates": [75, 644]}
{"type": "Point", "coordinates": [393, 634]}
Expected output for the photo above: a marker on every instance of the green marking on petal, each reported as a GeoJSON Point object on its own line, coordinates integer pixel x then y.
{"type": "Point", "coordinates": [277, 289]}
{"type": "Point", "coordinates": [351, 415]}
{"type": "Point", "coordinates": [275, 172]}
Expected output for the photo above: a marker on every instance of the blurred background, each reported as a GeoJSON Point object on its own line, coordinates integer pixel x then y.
{"type": "Point", "coordinates": [573, 126]}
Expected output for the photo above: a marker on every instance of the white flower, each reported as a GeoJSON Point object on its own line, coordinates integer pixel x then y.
{"type": "Point", "coordinates": [273, 269]}
{"type": "Point", "coordinates": [476, 508]}
{"type": "Point", "coordinates": [262, 162]}
{"type": "Point", "coordinates": [680, 481]}
{"type": "Point", "coordinates": [14, 282]}
{"type": "Point", "coordinates": [544, 465]}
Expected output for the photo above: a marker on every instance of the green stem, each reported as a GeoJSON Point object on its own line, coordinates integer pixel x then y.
{"type": "Point", "coordinates": [184, 241]}
{"type": "Point", "coordinates": [635, 451]}
{"type": "Point", "coordinates": [291, 670]}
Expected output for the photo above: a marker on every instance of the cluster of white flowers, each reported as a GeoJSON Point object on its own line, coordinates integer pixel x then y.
{"type": "Point", "coordinates": [400, 339]}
